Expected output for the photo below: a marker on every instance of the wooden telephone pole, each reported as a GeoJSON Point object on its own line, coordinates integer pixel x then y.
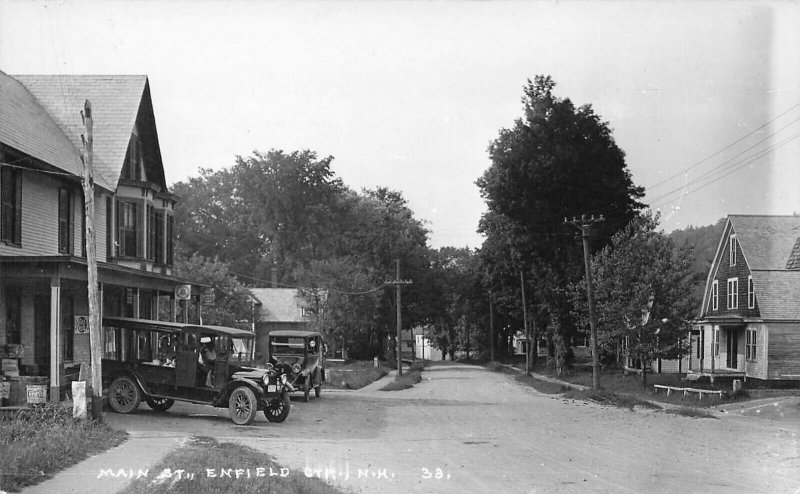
{"type": "Point", "coordinates": [397, 282]}
{"type": "Point", "coordinates": [585, 226]}
{"type": "Point", "coordinates": [95, 328]}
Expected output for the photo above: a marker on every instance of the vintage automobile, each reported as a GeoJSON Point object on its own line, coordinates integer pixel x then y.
{"type": "Point", "coordinates": [303, 353]}
{"type": "Point", "coordinates": [161, 362]}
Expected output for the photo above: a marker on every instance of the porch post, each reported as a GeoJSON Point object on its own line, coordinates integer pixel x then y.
{"type": "Point", "coordinates": [55, 338]}
{"type": "Point", "coordinates": [136, 307]}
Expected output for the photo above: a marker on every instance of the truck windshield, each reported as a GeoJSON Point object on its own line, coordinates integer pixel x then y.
{"type": "Point", "coordinates": [286, 345]}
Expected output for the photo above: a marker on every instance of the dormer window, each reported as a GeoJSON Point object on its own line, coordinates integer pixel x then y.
{"type": "Point", "coordinates": [732, 249]}
{"type": "Point", "coordinates": [133, 169]}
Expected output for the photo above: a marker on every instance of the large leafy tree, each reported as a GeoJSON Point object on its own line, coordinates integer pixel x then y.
{"type": "Point", "coordinates": [270, 210]}
{"type": "Point", "coordinates": [643, 292]}
{"type": "Point", "coordinates": [558, 161]}
{"type": "Point", "coordinates": [232, 305]}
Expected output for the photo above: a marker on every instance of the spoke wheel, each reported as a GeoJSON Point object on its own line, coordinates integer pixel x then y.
{"type": "Point", "coordinates": [124, 395]}
{"type": "Point", "coordinates": [278, 408]}
{"type": "Point", "coordinates": [160, 404]}
{"type": "Point", "coordinates": [243, 406]}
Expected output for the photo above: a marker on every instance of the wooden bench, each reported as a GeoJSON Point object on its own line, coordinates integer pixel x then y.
{"type": "Point", "coordinates": [700, 392]}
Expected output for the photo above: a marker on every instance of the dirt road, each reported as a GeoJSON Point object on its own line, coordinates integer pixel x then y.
{"type": "Point", "coordinates": [465, 429]}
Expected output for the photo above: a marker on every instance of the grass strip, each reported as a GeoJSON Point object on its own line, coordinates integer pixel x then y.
{"type": "Point", "coordinates": [205, 466]}
{"type": "Point", "coordinates": [406, 381]}
{"type": "Point", "coordinates": [35, 443]}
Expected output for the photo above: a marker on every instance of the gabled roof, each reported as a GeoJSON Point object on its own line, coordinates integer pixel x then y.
{"type": "Point", "coordinates": [279, 304]}
{"type": "Point", "coordinates": [27, 126]}
{"type": "Point", "coordinates": [766, 241]}
{"type": "Point", "coordinates": [117, 101]}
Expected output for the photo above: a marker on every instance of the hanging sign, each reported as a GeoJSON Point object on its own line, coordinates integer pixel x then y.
{"type": "Point", "coordinates": [209, 298]}
{"type": "Point", "coordinates": [183, 292]}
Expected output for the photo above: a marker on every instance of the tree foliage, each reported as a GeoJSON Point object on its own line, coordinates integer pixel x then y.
{"type": "Point", "coordinates": [232, 307]}
{"type": "Point", "coordinates": [558, 161]}
{"type": "Point", "coordinates": [643, 292]}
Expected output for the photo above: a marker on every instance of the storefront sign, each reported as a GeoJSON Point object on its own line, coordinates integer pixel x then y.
{"type": "Point", "coordinates": [209, 298]}
{"type": "Point", "coordinates": [183, 292]}
{"type": "Point", "coordinates": [81, 324]}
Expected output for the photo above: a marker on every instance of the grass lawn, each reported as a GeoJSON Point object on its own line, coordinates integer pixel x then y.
{"type": "Point", "coordinates": [204, 465]}
{"type": "Point", "coordinates": [626, 391]}
{"type": "Point", "coordinates": [408, 379]}
{"type": "Point", "coordinates": [38, 442]}
{"type": "Point", "coordinates": [354, 375]}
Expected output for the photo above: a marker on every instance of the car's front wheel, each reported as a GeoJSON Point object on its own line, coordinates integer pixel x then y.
{"type": "Point", "coordinates": [307, 388]}
{"type": "Point", "coordinates": [278, 408]}
{"type": "Point", "coordinates": [243, 406]}
{"type": "Point", "coordinates": [124, 395]}
{"type": "Point", "coordinates": [160, 404]}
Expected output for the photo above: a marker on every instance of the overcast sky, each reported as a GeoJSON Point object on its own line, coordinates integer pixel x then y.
{"type": "Point", "coordinates": [409, 94]}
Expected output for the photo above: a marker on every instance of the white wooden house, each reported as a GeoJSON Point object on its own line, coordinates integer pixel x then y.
{"type": "Point", "coordinates": [43, 270]}
{"type": "Point", "coordinates": [749, 325]}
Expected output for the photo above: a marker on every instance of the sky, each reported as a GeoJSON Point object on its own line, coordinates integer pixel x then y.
{"type": "Point", "coordinates": [703, 97]}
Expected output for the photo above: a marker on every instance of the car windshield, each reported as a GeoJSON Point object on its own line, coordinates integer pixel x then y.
{"type": "Point", "coordinates": [241, 349]}
{"type": "Point", "coordinates": [287, 345]}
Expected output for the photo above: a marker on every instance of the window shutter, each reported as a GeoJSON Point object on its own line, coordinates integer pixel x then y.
{"type": "Point", "coordinates": [18, 211]}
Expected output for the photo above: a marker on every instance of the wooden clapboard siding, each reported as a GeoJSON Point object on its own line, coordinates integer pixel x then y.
{"type": "Point", "coordinates": [39, 218]}
{"type": "Point", "coordinates": [784, 351]}
{"type": "Point", "coordinates": [757, 368]}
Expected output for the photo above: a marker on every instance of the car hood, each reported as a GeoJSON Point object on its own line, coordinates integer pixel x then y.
{"type": "Point", "coordinates": [289, 359]}
{"type": "Point", "coordinates": [250, 373]}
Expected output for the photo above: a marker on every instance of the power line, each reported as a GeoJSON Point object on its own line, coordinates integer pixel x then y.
{"type": "Point", "coordinates": [720, 172]}
{"type": "Point", "coordinates": [284, 285]}
{"type": "Point", "coordinates": [678, 174]}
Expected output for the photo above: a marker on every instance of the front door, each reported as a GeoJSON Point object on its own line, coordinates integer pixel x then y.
{"type": "Point", "coordinates": [733, 349]}
{"type": "Point", "coordinates": [41, 331]}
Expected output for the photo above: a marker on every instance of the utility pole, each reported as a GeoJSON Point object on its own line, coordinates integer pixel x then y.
{"type": "Point", "coordinates": [397, 282]}
{"type": "Point", "coordinates": [491, 328]}
{"type": "Point", "coordinates": [525, 325]}
{"type": "Point", "coordinates": [95, 328]}
{"type": "Point", "coordinates": [585, 225]}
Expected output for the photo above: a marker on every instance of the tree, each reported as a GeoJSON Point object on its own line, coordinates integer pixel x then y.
{"type": "Point", "coordinates": [231, 307]}
{"type": "Point", "coordinates": [643, 289]}
{"type": "Point", "coordinates": [558, 161]}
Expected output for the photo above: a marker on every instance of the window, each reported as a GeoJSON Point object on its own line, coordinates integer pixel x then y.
{"type": "Point", "coordinates": [715, 295]}
{"type": "Point", "coordinates": [733, 293]}
{"type": "Point", "coordinates": [751, 293]}
{"type": "Point", "coordinates": [13, 319]}
{"type": "Point", "coordinates": [155, 235]}
{"type": "Point", "coordinates": [732, 250]}
{"type": "Point", "coordinates": [11, 206]}
{"type": "Point", "coordinates": [129, 225]}
{"type": "Point", "coordinates": [64, 216]}
{"type": "Point", "coordinates": [132, 169]}
{"type": "Point", "coordinates": [700, 342]}
{"type": "Point", "coordinates": [750, 345]}
{"type": "Point", "coordinates": [716, 342]}
{"type": "Point", "coordinates": [170, 250]}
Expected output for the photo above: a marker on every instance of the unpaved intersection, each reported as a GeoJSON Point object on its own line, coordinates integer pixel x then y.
{"type": "Point", "coordinates": [465, 429]}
